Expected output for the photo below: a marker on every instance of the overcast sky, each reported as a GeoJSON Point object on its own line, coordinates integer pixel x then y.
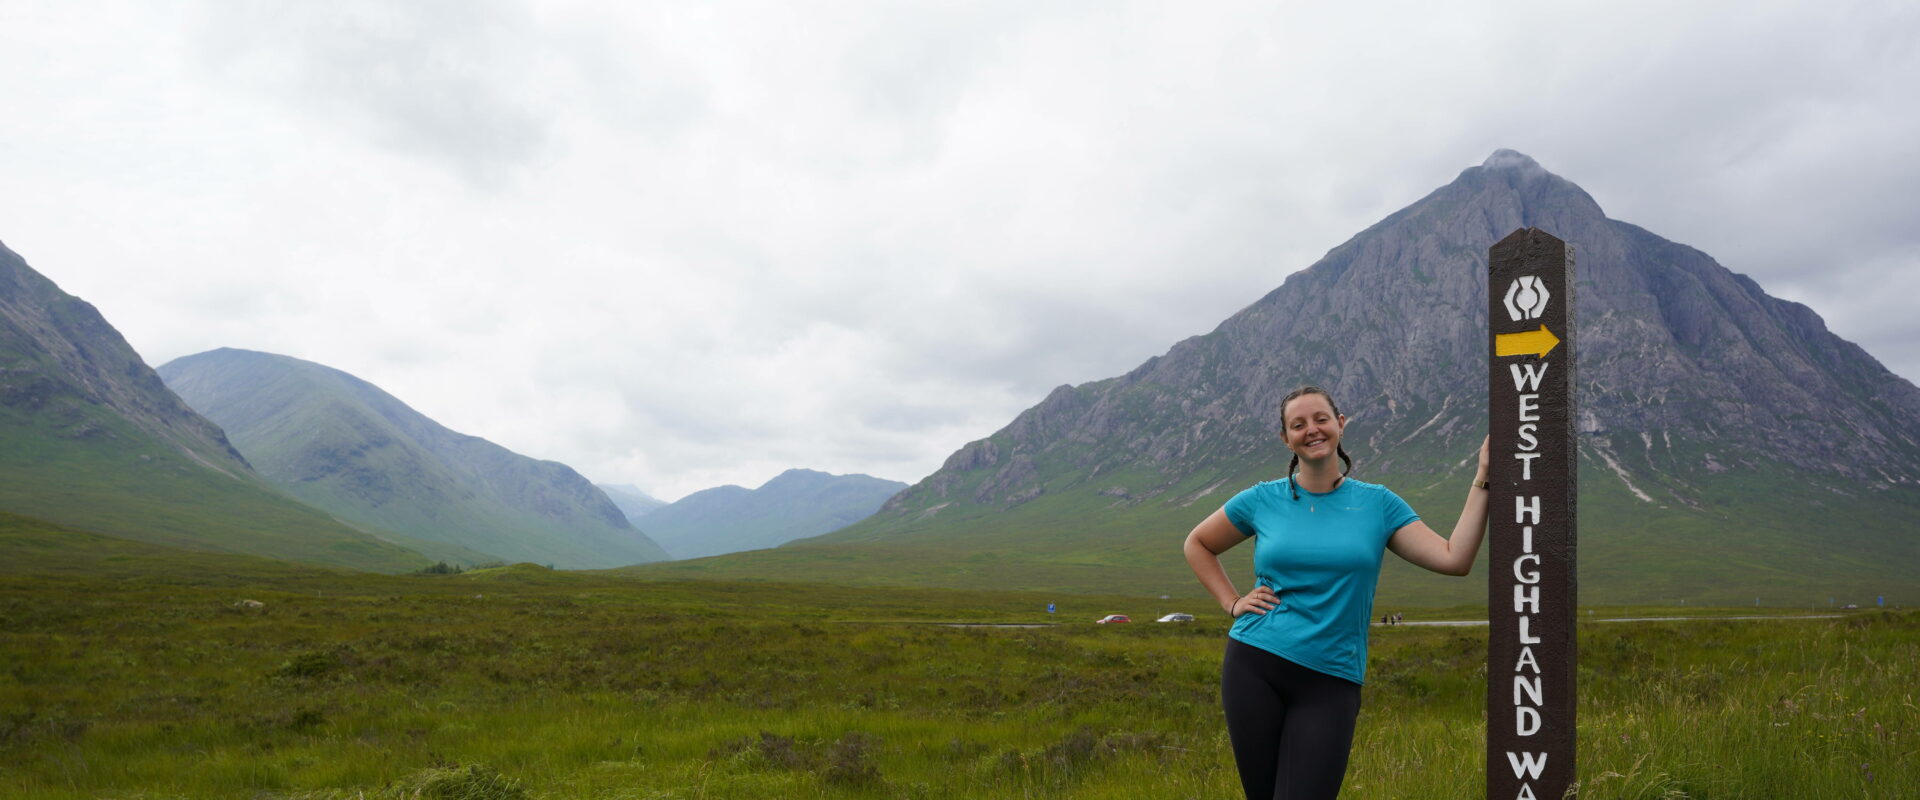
{"type": "Point", "coordinates": [692, 243]}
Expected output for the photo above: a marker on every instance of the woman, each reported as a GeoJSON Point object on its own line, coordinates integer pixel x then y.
{"type": "Point", "coordinates": [1297, 651]}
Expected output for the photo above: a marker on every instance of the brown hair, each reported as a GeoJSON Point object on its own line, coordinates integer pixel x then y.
{"type": "Point", "coordinates": [1341, 449]}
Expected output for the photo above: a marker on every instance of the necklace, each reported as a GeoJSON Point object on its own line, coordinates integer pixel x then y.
{"type": "Point", "coordinates": [1336, 486]}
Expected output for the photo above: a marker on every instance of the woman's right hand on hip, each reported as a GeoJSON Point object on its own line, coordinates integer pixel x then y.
{"type": "Point", "coordinates": [1259, 601]}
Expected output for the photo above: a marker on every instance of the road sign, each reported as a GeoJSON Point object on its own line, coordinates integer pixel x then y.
{"type": "Point", "coordinates": [1531, 597]}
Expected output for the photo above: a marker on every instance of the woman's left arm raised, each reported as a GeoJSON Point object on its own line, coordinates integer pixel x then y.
{"type": "Point", "coordinates": [1418, 543]}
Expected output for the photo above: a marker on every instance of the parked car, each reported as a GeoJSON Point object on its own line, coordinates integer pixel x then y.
{"type": "Point", "coordinates": [1176, 617]}
{"type": "Point", "coordinates": [1111, 618]}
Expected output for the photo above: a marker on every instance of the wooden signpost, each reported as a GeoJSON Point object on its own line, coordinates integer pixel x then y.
{"type": "Point", "coordinates": [1530, 515]}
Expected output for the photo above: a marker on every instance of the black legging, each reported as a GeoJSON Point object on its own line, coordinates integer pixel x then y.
{"type": "Point", "coordinates": [1291, 726]}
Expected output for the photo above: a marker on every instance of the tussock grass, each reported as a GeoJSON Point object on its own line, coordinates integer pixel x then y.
{"type": "Point", "coordinates": [525, 683]}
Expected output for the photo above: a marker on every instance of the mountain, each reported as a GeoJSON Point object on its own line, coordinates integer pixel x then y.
{"type": "Point", "coordinates": [795, 504]}
{"type": "Point", "coordinates": [343, 445]}
{"type": "Point", "coordinates": [94, 441]}
{"type": "Point", "coordinates": [1731, 446]}
{"type": "Point", "coordinates": [631, 501]}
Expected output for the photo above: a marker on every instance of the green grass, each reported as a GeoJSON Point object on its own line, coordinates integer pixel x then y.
{"type": "Point", "coordinates": [116, 478]}
{"type": "Point", "coordinates": [145, 677]}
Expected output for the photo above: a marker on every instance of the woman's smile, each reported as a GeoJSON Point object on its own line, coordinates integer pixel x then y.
{"type": "Point", "coordinates": [1316, 442]}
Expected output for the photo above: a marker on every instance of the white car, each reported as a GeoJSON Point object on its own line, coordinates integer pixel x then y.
{"type": "Point", "coordinates": [1176, 617]}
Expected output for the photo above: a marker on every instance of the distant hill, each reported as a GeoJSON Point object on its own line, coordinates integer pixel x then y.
{"type": "Point", "coordinates": [795, 504]}
{"type": "Point", "coordinates": [93, 440]}
{"type": "Point", "coordinates": [342, 444]}
{"type": "Point", "coordinates": [1731, 445]}
{"type": "Point", "coordinates": [631, 501]}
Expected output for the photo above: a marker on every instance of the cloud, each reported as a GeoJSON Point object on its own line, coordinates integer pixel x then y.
{"type": "Point", "coordinates": [679, 245]}
{"type": "Point", "coordinates": [445, 79]}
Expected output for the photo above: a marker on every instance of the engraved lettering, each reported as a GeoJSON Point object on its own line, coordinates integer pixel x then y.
{"type": "Point", "coordinates": [1530, 576]}
{"type": "Point", "coordinates": [1527, 638]}
{"type": "Point", "coordinates": [1522, 506]}
{"type": "Point", "coordinates": [1526, 720]}
{"type": "Point", "coordinates": [1526, 661]}
{"type": "Point", "coordinates": [1525, 766]}
{"type": "Point", "coordinates": [1530, 687]}
{"type": "Point", "coordinates": [1526, 598]}
{"type": "Point", "coordinates": [1531, 381]}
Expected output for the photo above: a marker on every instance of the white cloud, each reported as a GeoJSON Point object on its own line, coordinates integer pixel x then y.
{"type": "Point", "coordinates": [678, 245]}
{"type": "Point", "coordinates": [445, 79]}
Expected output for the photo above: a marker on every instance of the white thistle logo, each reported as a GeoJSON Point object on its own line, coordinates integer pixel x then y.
{"type": "Point", "coordinates": [1526, 298]}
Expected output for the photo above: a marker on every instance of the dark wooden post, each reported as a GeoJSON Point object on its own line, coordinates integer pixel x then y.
{"type": "Point", "coordinates": [1531, 586]}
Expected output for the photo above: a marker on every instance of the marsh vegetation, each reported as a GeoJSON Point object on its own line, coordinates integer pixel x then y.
{"type": "Point", "coordinates": [151, 681]}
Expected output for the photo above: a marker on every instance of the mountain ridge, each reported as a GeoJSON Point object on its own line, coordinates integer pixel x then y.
{"type": "Point", "coordinates": [794, 504]}
{"type": "Point", "coordinates": [1695, 392]}
{"type": "Point", "coordinates": [96, 442]}
{"type": "Point", "coordinates": [1377, 389]}
{"type": "Point", "coordinates": [347, 446]}
{"type": "Point", "coordinates": [631, 501]}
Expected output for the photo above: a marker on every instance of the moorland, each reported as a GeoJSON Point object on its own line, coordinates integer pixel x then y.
{"type": "Point", "coordinates": [136, 671]}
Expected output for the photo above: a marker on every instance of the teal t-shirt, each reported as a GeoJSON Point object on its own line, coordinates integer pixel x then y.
{"type": "Point", "coordinates": [1321, 555]}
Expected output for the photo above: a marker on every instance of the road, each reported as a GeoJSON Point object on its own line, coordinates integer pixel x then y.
{"type": "Point", "coordinates": [1461, 623]}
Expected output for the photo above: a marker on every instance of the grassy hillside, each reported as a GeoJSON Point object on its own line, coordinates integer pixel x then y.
{"type": "Point", "coordinates": [91, 437]}
{"type": "Point", "coordinates": [39, 549]}
{"type": "Point", "coordinates": [343, 445]}
{"type": "Point", "coordinates": [116, 479]}
{"type": "Point", "coordinates": [148, 678]}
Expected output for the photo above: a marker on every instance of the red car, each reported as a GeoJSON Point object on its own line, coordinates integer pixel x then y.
{"type": "Point", "coordinates": [1111, 618]}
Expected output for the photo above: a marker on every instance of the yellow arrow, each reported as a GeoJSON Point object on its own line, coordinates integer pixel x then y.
{"type": "Point", "coordinates": [1525, 343]}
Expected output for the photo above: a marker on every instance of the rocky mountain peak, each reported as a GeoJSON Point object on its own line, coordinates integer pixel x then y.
{"type": "Point", "coordinates": [61, 358]}
{"type": "Point", "coordinates": [1679, 356]}
{"type": "Point", "coordinates": [1504, 158]}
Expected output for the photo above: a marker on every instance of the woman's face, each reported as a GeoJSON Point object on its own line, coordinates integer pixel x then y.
{"type": "Point", "coordinates": [1312, 429]}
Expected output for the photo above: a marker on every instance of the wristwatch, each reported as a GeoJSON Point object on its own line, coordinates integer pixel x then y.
{"type": "Point", "coordinates": [1488, 485]}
